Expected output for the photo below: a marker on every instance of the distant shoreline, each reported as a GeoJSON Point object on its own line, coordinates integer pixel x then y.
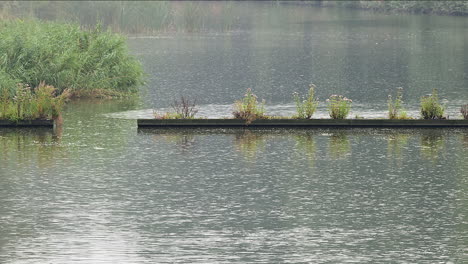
{"type": "Point", "coordinates": [446, 8]}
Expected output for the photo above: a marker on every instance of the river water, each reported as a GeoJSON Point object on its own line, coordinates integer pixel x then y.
{"type": "Point", "coordinates": [99, 190]}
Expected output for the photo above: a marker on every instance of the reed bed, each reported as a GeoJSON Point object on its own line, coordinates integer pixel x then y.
{"type": "Point", "coordinates": [42, 64]}
{"type": "Point", "coordinates": [87, 62]}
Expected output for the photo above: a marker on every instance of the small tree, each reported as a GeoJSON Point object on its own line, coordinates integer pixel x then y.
{"type": "Point", "coordinates": [184, 108]}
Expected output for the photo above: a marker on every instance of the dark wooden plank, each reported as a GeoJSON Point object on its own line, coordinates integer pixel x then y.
{"type": "Point", "coordinates": [27, 123]}
{"type": "Point", "coordinates": [287, 123]}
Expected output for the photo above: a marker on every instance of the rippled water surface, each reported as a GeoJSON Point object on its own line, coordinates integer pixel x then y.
{"type": "Point", "coordinates": [99, 190]}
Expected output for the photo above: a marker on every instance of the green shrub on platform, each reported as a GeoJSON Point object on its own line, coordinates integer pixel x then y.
{"type": "Point", "coordinates": [305, 108]}
{"type": "Point", "coordinates": [249, 108]}
{"type": "Point", "coordinates": [430, 106]}
{"type": "Point", "coordinates": [339, 106]}
{"type": "Point", "coordinates": [395, 107]}
{"type": "Point", "coordinates": [29, 104]}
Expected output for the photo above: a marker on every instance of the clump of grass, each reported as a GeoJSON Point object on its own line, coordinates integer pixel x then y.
{"type": "Point", "coordinates": [339, 106]}
{"type": "Point", "coordinates": [249, 108]}
{"type": "Point", "coordinates": [66, 57]}
{"type": "Point", "coordinates": [395, 107]}
{"type": "Point", "coordinates": [464, 111]}
{"type": "Point", "coordinates": [26, 103]}
{"type": "Point", "coordinates": [430, 106]}
{"type": "Point", "coordinates": [305, 107]}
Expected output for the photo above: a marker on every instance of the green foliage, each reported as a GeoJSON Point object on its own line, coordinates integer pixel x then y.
{"type": "Point", "coordinates": [248, 108]}
{"type": "Point", "coordinates": [395, 107]}
{"type": "Point", "coordinates": [30, 104]}
{"type": "Point", "coordinates": [464, 111]}
{"type": "Point", "coordinates": [430, 106]}
{"type": "Point", "coordinates": [305, 108]}
{"type": "Point", "coordinates": [66, 57]}
{"type": "Point", "coordinates": [339, 106]}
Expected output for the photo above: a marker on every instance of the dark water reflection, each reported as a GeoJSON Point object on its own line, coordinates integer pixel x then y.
{"type": "Point", "coordinates": [237, 196]}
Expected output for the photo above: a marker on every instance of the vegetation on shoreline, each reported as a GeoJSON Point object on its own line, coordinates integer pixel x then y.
{"type": "Point", "coordinates": [417, 7]}
{"type": "Point", "coordinates": [44, 63]}
{"type": "Point", "coordinates": [93, 62]}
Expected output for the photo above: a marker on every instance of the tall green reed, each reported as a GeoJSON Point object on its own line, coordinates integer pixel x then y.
{"type": "Point", "coordinates": [67, 57]}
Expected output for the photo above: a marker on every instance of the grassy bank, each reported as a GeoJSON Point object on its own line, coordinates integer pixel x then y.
{"type": "Point", "coordinates": [66, 57]}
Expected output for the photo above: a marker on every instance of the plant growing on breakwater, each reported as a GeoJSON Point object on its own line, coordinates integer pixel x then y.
{"type": "Point", "coordinates": [339, 106]}
{"type": "Point", "coordinates": [249, 108]}
{"type": "Point", "coordinates": [29, 104]}
{"type": "Point", "coordinates": [88, 62]}
{"type": "Point", "coordinates": [305, 108]}
{"type": "Point", "coordinates": [430, 106]}
{"type": "Point", "coordinates": [395, 107]}
{"type": "Point", "coordinates": [183, 109]}
{"type": "Point", "coordinates": [464, 111]}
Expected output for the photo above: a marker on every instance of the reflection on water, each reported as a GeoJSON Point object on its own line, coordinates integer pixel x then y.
{"type": "Point", "coordinates": [19, 146]}
{"type": "Point", "coordinates": [182, 141]}
{"type": "Point", "coordinates": [339, 145]}
{"type": "Point", "coordinates": [432, 145]}
{"type": "Point", "coordinates": [231, 195]}
{"type": "Point", "coordinates": [396, 143]}
{"type": "Point", "coordinates": [306, 146]}
{"type": "Point", "coordinates": [249, 143]}
{"type": "Point", "coordinates": [464, 139]}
